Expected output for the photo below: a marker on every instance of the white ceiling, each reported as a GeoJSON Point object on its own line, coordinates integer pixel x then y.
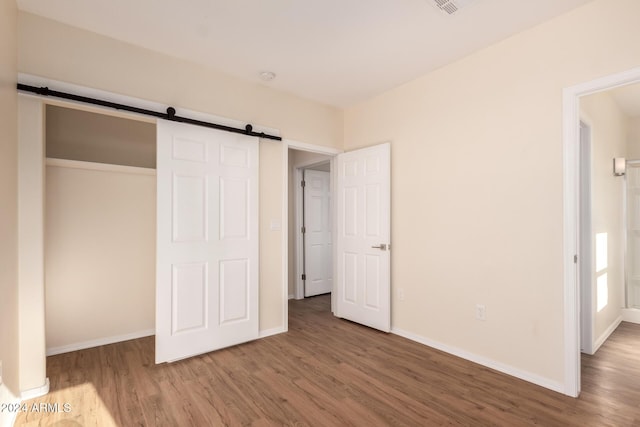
{"type": "Point", "coordinates": [337, 52]}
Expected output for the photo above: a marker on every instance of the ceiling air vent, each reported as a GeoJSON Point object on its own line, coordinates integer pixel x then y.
{"type": "Point", "coordinates": [450, 7]}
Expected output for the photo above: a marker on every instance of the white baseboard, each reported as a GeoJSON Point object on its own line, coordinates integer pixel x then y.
{"type": "Point", "coordinates": [7, 418]}
{"type": "Point", "coordinates": [291, 296]}
{"type": "Point", "coordinates": [602, 338]}
{"type": "Point", "coordinates": [98, 342]}
{"type": "Point", "coordinates": [481, 360]}
{"type": "Point", "coordinates": [272, 331]}
{"type": "Point", "coordinates": [631, 315]}
{"type": "Point", "coordinates": [35, 392]}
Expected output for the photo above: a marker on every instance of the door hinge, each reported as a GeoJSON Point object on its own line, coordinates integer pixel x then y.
{"type": "Point", "coordinates": [304, 230]}
{"type": "Point", "coordinates": [575, 259]}
{"type": "Point", "coordinates": [304, 277]}
{"type": "Point", "coordinates": [303, 183]}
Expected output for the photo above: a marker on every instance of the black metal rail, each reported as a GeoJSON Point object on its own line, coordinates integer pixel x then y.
{"type": "Point", "coordinates": [169, 115]}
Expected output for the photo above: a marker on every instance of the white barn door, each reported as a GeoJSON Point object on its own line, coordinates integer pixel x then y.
{"type": "Point", "coordinates": [207, 240]}
{"type": "Point", "coordinates": [363, 237]}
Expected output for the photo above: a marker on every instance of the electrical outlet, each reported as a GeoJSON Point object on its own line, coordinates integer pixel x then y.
{"type": "Point", "coordinates": [401, 294]}
{"type": "Point", "coordinates": [481, 312]}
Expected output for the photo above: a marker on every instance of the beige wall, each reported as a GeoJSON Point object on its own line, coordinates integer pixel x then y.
{"type": "Point", "coordinates": [82, 135]}
{"type": "Point", "coordinates": [8, 204]}
{"type": "Point", "coordinates": [53, 50]}
{"type": "Point", "coordinates": [633, 139]}
{"type": "Point", "coordinates": [271, 224]}
{"type": "Point", "coordinates": [477, 179]}
{"type": "Point", "coordinates": [609, 127]}
{"type": "Point", "coordinates": [100, 253]}
{"type": "Point", "coordinates": [57, 51]}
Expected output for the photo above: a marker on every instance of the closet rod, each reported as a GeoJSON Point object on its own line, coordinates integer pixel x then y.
{"type": "Point", "coordinates": [169, 115]}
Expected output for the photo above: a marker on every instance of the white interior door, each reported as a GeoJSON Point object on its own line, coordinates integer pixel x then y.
{"type": "Point", "coordinates": [207, 240]}
{"type": "Point", "coordinates": [363, 236]}
{"type": "Point", "coordinates": [318, 247]}
{"type": "Point", "coordinates": [633, 235]}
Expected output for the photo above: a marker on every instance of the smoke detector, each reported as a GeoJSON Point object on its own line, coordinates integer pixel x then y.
{"type": "Point", "coordinates": [267, 76]}
{"type": "Point", "coordinates": [451, 7]}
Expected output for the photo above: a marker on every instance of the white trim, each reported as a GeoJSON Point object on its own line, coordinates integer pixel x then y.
{"type": "Point", "coordinates": [285, 236]}
{"type": "Point", "coordinates": [587, 308]}
{"type": "Point", "coordinates": [32, 80]}
{"type": "Point", "coordinates": [334, 237]}
{"type": "Point", "coordinates": [570, 117]}
{"type": "Point", "coordinates": [481, 360]}
{"type": "Point", "coordinates": [271, 332]}
{"type": "Point", "coordinates": [7, 418]}
{"type": "Point", "coordinates": [35, 392]}
{"type": "Point", "coordinates": [298, 241]}
{"type": "Point", "coordinates": [602, 338]}
{"type": "Point", "coordinates": [51, 351]}
{"type": "Point", "coordinates": [631, 315]}
{"type": "Point", "coordinates": [292, 296]}
{"type": "Point", "coordinates": [103, 167]}
{"type": "Point", "coordinates": [31, 260]}
{"type": "Point", "coordinates": [312, 148]}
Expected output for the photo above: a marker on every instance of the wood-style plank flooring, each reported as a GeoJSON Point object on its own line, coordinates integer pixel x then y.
{"type": "Point", "coordinates": [328, 372]}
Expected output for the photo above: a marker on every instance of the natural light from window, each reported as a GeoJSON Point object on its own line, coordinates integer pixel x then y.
{"type": "Point", "coordinates": [601, 252]}
{"type": "Point", "coordinates": [75, 405]}
{"type": "Point", "coordinates": [602, 295]}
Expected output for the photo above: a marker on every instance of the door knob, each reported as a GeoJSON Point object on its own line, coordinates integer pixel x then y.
{"type": "Point", "coordinates": [382, 247]}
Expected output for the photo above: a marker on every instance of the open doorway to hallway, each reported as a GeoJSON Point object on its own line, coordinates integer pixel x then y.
{"type": "Point", "coordinates": [310, 225]}
{"type": "Point", "coordinates": [610, 210]}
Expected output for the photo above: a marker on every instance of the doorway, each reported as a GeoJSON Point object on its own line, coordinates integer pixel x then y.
{"type": "Point", "coordinates": [362, 215]}
{"type": "Point", "coordinates": [607, 287]}
{"type": "Point", "coordinates": [310, 233]}
{"type": "Point", "coordinates": [632, 264]}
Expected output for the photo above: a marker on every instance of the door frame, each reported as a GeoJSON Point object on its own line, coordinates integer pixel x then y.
{"type": "Point", "coordinates": [311, 148]}
{"type": "Point", "coordinates": [629, 313]}
{"type": "Point", "coordinates": [585, 225]}
{"type": "Point", "coordinates": [625, 200]}
{"type": "Point", "coordinates": [298, 200]}
{"type": "Point", "coordinates": [571, 216]}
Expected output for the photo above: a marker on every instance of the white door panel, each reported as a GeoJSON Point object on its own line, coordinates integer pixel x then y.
{"type": "Point", "coordinates": [363, 236]}
{"type": "Point", "coordinates": [317, 238]}
{"type": "Point", "coordinates": [207, 240]}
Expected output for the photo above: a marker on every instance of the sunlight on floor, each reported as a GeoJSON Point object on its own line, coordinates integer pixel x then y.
{"type": "Point", "coordinates": [55, 409]}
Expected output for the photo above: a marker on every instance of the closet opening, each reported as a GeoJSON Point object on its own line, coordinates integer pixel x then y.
{"type": "Point", "coordinates": [100, 228]}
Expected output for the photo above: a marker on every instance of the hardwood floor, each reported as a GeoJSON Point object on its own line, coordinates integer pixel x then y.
{"type": "Point", "coordinates": [328, 372]}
